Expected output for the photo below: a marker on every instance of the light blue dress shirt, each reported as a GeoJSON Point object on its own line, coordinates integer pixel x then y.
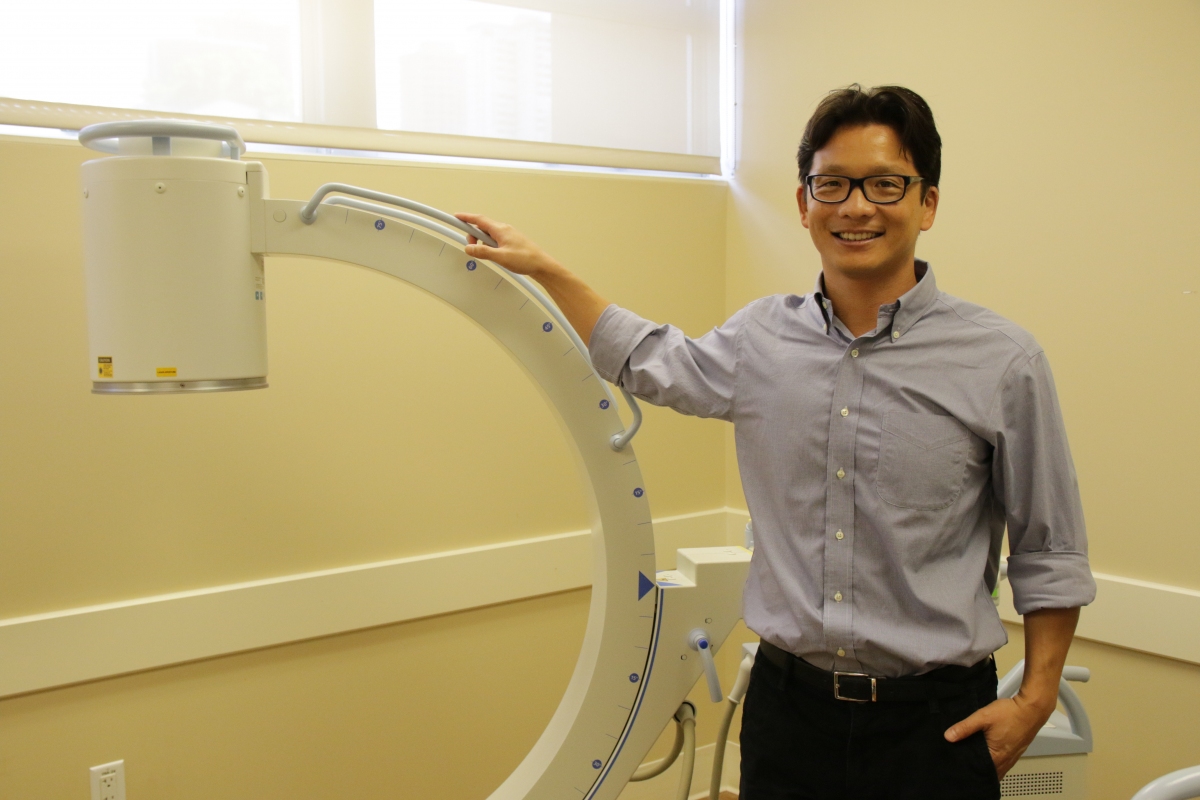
{"type": "Point", "coordinates": [881, 471]}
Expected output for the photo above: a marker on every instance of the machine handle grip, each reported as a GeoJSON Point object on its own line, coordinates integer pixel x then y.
{"type": "Point", "coordinates": [619, 440]}
{"type": "Point", "coordinates": [698, 641]}
{"type": "Point", "coordinates": [97, 136]}
{"type": "Point", "coordinates": [308, 214]}
{"type": "Point", "coordinates": [1077, 674]}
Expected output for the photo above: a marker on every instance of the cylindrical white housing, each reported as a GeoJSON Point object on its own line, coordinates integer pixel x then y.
{"type": "Point", "coordinates": [176, 301]}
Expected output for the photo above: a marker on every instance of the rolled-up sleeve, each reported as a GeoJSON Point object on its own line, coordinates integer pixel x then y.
{"type": "Point", "coordinates": [1034, 478]}
{"type": "Point", "coordinates": [661, 365]}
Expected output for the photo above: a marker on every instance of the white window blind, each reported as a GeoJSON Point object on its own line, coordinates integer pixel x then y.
{"type": "Point", "coordinates": [625, 83]}
{"type": "Point", "coordinates": [219, 57]}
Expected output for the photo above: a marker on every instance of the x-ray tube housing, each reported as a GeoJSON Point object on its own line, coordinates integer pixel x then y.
{"type": "Point", "coordinates": [176, 300]}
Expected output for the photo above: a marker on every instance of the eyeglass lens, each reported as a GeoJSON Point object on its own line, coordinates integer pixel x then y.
{"type": "Point", "coordinates": [877, 188]}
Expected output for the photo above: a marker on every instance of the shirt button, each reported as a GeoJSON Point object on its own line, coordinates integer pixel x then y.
{"type": "Point", "coordinates": [837, 596]}
{"type": "Point", "coordinates": [841, 652]}
{"type": "Point", "coordinates": [854, 353]}
{"type": "Point", "coordinates": [825, 303]}
{"type": "Point", "coordinates": [845, 412]}
{"type": "Point", "coordinates": [840, 535]}
{"type": "Point", "coordinates": [895, 334]}
{"type": "Point", "coordinates": [841, 473]}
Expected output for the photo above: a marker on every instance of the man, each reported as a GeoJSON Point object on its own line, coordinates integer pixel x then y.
{"type": "Point", "coordinates": [887, 433]}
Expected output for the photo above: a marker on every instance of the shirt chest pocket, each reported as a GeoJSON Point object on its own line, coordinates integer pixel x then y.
{"type": "Point", "coordinates": [922, 460]}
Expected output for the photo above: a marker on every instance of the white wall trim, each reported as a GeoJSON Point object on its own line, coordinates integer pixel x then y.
{"type": "Point", "coordinates": [1138, 615]}
{"type": "Point", "coordinates": [68, 116]}
{"type": "Point", "coordinates": [75, 645]}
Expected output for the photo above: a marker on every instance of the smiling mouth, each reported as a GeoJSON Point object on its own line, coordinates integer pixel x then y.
{"type": "Point", "coordinates": [858, 237]}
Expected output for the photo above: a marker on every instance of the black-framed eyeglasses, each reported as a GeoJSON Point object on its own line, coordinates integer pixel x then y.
{"type": "Point", "coordinates": [879, 189]}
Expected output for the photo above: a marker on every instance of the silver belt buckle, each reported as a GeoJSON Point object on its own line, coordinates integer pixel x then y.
{"type": "Point", "coordinates": [837, 676]}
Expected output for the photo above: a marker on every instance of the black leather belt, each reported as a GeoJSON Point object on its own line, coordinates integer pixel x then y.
{"type": "Point", "coordinates": [856, 687]}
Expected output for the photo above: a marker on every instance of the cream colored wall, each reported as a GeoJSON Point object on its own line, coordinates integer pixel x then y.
{"type": "Point", "coordinates": [392, 427]}
{"type": "Point", "coordinates": [1071, 142]}
{"type": "Point", "coordinates": [444, 707]}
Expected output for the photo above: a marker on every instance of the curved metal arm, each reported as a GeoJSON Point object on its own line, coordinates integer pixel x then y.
{"type": "Point", "coordinates": [97, 136]}
{"type": "Point", "coordinates": [309, 212]}
{"type": "Point", "coordinates": [619, 440]}
{"type": "Point", "coordinates": [1183, 784]}
{"type": "Point", "coordinates": [395, 213]}
{"type": "Point", "coordinates": [619, 622]}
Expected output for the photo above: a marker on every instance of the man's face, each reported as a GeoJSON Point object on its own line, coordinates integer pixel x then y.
{"type": "Point", "coordinates": [857, 238]}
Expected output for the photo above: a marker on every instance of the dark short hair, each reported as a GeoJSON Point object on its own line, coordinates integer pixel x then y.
{"type": "Point", "coordinates": [902, 110]}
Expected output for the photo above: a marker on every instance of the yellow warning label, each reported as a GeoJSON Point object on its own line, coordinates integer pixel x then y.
{"type": "Point", "coordinates": [104, 366]}
{"type": "Point", "coordinates": [165, 372]}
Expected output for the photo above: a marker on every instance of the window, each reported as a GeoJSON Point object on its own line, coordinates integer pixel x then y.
{"type": "Point", "coordinates": [614, 82]}
{"type": "Point", "coordinates": [217, 58]}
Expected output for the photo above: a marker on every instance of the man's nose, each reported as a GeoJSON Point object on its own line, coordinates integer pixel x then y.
{"type": "Point", "coordinates": [857, 204]}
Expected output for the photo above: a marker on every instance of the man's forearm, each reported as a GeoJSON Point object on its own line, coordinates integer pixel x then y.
{"type": "Point", "coordinates": [1010, 724]}
{"type": "Point", "coordinates": [580, 303]}
{"type": "Point", "coordinates": [1048, 635]}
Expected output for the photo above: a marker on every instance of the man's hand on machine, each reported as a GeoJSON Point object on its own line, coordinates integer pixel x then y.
{"type": "Point", "coordinates": [1008, 725]}
{"type": "Point", "coordinates": [516, 252]}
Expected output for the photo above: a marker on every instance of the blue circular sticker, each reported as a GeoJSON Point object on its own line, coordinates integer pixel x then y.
{"type": "Point", "coordinates": [633, 677]}
{"type": "Point", "coordinates": [604, 404]}
{"type": "Point", "coordinates": [471, 265]}
{"type": "Point", "coordinates": [547, 327]}
{"type": "Point", "coordinates": [638, 492]}
{"type": "Point", "coordinates": [597, 764]}
{"type": "Point", "coordinates": [379, 224]}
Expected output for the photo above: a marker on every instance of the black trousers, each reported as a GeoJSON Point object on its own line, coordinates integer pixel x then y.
{"type": "Point", "coordinates": [799, 743]}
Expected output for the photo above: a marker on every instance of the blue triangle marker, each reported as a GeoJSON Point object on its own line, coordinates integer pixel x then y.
{"type": "Point", "coordinates": [644, 585]}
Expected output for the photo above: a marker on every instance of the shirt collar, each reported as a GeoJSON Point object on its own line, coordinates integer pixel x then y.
{"type": "Point", "coordinates": [911, 306]}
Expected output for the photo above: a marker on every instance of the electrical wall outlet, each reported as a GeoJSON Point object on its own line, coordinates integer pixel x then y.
{"type": "Point", "coordinates": [108, 781]}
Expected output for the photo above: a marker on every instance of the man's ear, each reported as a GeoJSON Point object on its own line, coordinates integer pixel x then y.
{"type": "Point", "coordinates": [930, 202]}
{"type": "Point", "coordinates": [802, 201]}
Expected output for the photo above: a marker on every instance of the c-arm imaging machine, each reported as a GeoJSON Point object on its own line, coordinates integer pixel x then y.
{"type": "Point", "coordinates": [175, 230]}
